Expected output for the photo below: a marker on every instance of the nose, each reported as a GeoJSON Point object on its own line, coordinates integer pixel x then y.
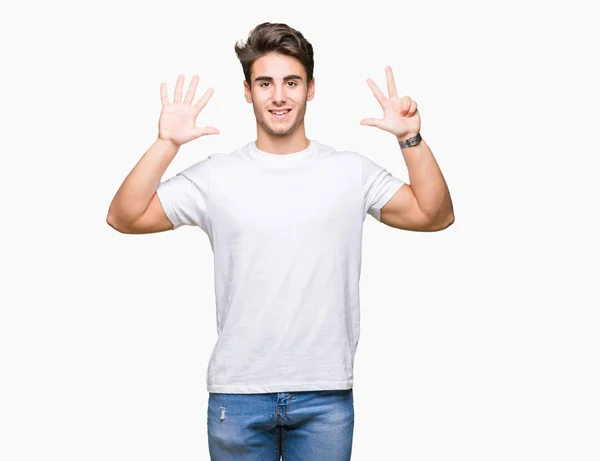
{"type": "Point", "coordinates": [279, 95]}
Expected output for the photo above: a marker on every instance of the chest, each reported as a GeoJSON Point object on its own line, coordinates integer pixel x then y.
{"type": "Point", "coordinates": [303, 204]}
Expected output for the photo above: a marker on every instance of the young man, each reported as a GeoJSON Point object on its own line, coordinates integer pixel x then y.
{"type": "Point", "coordinates": [284, 216]}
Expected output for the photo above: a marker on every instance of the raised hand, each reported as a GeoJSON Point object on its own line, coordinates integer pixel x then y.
{"type": "Point", "coordinates": [177, 123]}
{"type": "Point", "coordinates": [400, 115]}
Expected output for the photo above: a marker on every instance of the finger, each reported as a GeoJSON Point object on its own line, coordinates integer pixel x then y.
{"type": "Point", "coordinates": [413, 108]}
{"type": "Point", "coordinates": [377, 92]}
{"type": "Point", "coordinates": [205, 130]}
{"type": "Point", "coordinates": [371, 122]}
{"type": "Point", "coordinates": [203, 100]}
{"type": "Point", "coordinates": [405, 105]}
{"type": "Point", "coordinates": [178, 89]}
{"type": "Point", "coordinates": [189, 95]}
{"type": "Point", "coordinates": [391, 84]}
{"type": "Point", "coordinates": [163, 94]}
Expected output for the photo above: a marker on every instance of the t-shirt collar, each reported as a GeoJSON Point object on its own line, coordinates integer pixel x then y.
{"type": "Point", "coordinates": [282, 159]}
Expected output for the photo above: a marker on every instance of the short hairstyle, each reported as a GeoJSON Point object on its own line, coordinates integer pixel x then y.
{"type": "Point", "coordinates": [280, 38]}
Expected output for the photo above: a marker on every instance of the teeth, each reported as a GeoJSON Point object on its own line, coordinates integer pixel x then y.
{"type": "Point", "coordinates": [280, 113]}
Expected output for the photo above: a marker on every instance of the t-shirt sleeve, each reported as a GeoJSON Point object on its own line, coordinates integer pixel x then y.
{"type": "Point", "coordinates": [184, 197]}
{"type": "Point", "coordinates": [378, 186]}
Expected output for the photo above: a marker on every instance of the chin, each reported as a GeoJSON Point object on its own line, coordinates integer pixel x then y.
{"type": "Point", "coordinates": [281, 129]}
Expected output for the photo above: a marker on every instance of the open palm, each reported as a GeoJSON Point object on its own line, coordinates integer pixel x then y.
{"type": "Point", "coordinates": [177, 123]}
{"type": "Point", "coordinates": [400, 115]}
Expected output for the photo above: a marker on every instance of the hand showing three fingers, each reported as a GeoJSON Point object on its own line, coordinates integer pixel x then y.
{"type": "Point", "coordinates": [400, 115]}
{"type": "Point", "coordinates": [177, 123]}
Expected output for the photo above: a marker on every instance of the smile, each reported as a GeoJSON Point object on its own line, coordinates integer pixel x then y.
{"type": "Point", "coordinates": [280, 113]}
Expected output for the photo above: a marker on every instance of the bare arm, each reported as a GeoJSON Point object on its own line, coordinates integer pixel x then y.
{"type": "Point", "coordinates": [139, 187]}
{"type": "Point", "coordinates": [425, 203]}
{"type": "Point", "coordinates": [135, 208]}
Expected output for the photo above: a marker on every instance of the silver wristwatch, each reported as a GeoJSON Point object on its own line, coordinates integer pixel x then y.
{"type": "Point", "coordinates": [410, 142]}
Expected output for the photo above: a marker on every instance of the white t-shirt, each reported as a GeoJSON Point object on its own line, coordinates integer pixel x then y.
{"type": "Point", "coordinates": [286, 234]}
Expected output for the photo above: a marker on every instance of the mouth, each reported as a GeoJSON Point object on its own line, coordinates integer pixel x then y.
{"type": "Point", "coordinates": [280, 113]}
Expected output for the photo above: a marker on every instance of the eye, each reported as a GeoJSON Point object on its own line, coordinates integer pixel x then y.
{"type": "Point", "coordinates": [267, 83]}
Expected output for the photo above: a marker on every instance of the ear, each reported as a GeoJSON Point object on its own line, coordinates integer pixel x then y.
{"type": "Point", "coordinates": [311, 90]}
{"type": "Point", "coordinates": [247, 92]}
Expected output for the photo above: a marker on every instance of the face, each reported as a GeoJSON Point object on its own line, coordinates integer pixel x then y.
{"type": "Point", "coordinates": [278, 83]}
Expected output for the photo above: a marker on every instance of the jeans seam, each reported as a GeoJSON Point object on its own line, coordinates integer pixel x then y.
{"type": "Point", "coordinates": [283, 445]}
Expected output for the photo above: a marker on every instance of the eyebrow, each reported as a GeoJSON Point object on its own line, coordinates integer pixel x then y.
{"type": "Point", "coordinates": [270, 79]}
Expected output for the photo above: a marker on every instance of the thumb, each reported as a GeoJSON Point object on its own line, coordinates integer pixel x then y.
{"type": "Point", "coordinates": [372, 122]}
{"type": "Point", "coordinates": [205, 130]}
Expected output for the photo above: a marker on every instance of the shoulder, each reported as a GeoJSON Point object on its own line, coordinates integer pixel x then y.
{"type": "Point", "coordinates": [366, 167]}
{"type": "Point", "coordinates": [347, 154]}
{"type": "Point", "coordinates": [339, 157]}
{"type": "Point", "coordinates": [198, 171]}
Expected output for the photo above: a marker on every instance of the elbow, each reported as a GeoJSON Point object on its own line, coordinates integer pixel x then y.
{"type": "Point", "coordinates": [445, 216]}
{"type": "Point", "coordinates": [112, 222]}
{"type": "Point", "coordinates": [449, 221]}
{"type": "Point", "coordinates": [441, 224]}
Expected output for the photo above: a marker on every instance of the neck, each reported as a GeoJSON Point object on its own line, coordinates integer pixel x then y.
{"type": "Point", "coordinates": [283, 144]}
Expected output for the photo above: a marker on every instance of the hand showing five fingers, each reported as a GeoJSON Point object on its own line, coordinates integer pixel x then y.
{"type": "Point", "coordinates": [177, 123]}
{"type": "Point", "coordinates": [400, 115]}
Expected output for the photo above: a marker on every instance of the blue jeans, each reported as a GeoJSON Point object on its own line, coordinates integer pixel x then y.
{"type": "Point", "coordinates": [298, 426]}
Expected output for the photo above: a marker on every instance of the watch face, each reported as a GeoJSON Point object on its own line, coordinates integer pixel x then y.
{"type": "Point", "coordinates": [411, 141]}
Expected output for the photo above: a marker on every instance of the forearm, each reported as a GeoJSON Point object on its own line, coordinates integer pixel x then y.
{"type": "Point", "coordinates": [427, 182]}
{"type": "Point", "coordinates": [135, 194]}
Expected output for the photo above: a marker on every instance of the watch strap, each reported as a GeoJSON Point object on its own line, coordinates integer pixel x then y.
{"type": "Point", "coordinates": [410, 142]}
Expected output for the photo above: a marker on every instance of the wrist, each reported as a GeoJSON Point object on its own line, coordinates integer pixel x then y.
{"type": "Point", "coordinates": [409, 140]}
{"type": "Point", "coordinates": [166, 144]}
{"type": "Point", "coordinates": [406, 136]}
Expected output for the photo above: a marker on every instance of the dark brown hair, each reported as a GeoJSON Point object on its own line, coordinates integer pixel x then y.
{"type": "Point", "coordinates": [279, 38]}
